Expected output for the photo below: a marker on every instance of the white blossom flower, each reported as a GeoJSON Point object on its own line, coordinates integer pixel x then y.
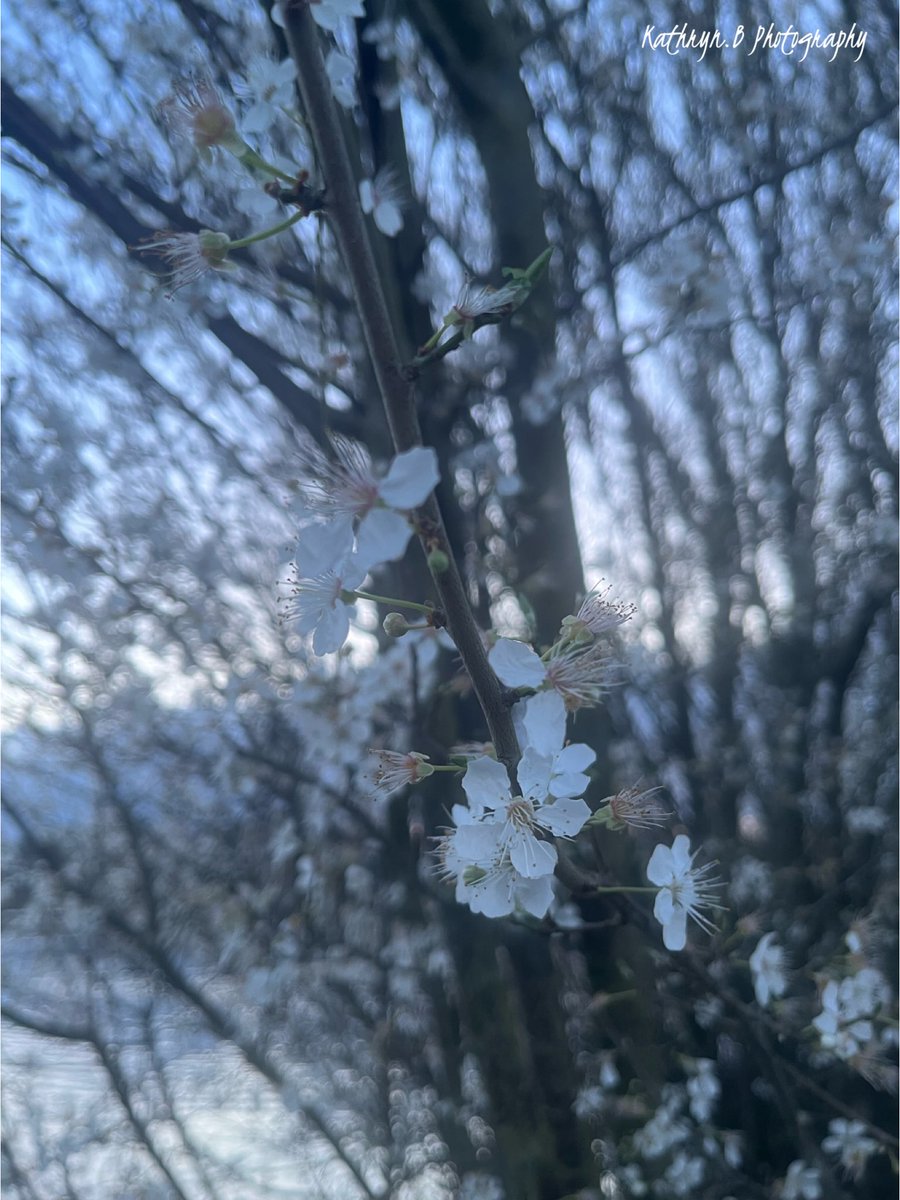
{"type": "Point", "coordinates": [392, 771]}
{"type": "Point", "coordinates": [751, 883]}
{"type": "Point", "coordinates": [504, 824]}
{"type": "Point", "coordinates": [541, 725]}
{"type": "Point", "coordinates": [634, 1182]}
{"type": "Point", "coordinates": [342, 76]}
{"type": "Point", "coordinates": [767, 964]}
{"type": "Point", "coordinates": [269, 86]}
{"type": "Point", "coordinates": [482, 302]}
{"type": "Point", "coordinates": [196, 109]}
{"type": "Point", "coordinates": [704, 1089]}
{"type": "Point", "coordinates": [491, 885]}
{"type": "Point", "coordinates": [383, 198]}
{"type": "Point", "coordinates": [327, 14]}
{"type": "Point", "coordinates": [684, 1174]}
{"type": "Point", "coordinates": [664, 1130]}
{"type": "Point", "coordinates": [801, 1182]}
{"type": "Point", "coordinates": [684, 891]}
{"type": "Point", "coordinates": [596, 617]}
{"type": "Point", "coordinates": [191, 255]}
{"type": "Point", "coordinates": [848, 1140]}
{"type": "Point", "coordinates": [837, 1030]}
{"type": "Point", "coordinates": [634, 808]}
{"type": "Point", "coordinates": [581, 675]}
{"type": "Point", "coordinates": [861, 995]}
{"type": "Point", "coordinates": [732, 1149]}
{"type": "Point", "coordinates": [348, 491]}
{"type": "Point", "coordinates": [321, 600]}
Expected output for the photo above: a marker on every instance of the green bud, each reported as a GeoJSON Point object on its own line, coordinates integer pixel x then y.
{"type": "Point", "coordinates": [395, 625]}
{"type": "Point", "coordinates": [438, 562]}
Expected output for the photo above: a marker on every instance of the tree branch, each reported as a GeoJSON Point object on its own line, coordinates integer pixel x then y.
{"type": "Point", "coordinates": [397, 392]}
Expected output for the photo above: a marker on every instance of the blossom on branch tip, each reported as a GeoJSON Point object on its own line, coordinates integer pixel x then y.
{"type": "Point", "coordinates": [191, 255]}
{"type": "Point", "coordinates": [581, 675]}
{"type": "Point", "coordinates": [848, 1140]}
{"type": "Point", "coordinates": [507, 824]}
{"type": "Point", "coordinates": [541, 729]}
{"type": "Point", "coordinates": [392, 771]}
{"type": "Point", "coordinates": [383, 198]}
{"type": "Point", "coordinates": [633, 808]}
{"type": "Point", "coordinates": [684, 891]}
{"type": "Point", "coordinates": [838, 1024]}
{"type": "Point", "coordinates": [801, 1182]}
{"type": "Point", "coordinates": [347, 492]}
{"type": "Point", "coordinates": [196, 109]}
{"type": "Point", "coordinates": [490, 885]}
{"type": "Point", "coordinates": [269, 87]}
{"type": "Point", "coordinates": [320, 597]}
{"type": "Point", "coordinates": [473, 303]}
{"type": "Point", "coordinates": [596, 617]}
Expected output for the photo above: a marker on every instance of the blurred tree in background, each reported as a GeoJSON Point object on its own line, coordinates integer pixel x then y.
{"type": "Point", "coordinates": [229, 971]}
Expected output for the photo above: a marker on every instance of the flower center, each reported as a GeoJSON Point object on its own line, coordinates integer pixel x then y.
{"type": "Point", "coordinates": [520, 812]}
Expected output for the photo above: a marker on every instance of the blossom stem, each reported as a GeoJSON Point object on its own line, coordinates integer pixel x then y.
{"type": "Point", "coordinates": [600, 890]}
{"type": "Point", "coordinates": [255, 162]}
{"type": "Point", "coordinates": [548, 654]}
{"type": "Point", "coordinates": [267, 233]}
{"type": "Point", "coordinates": [434, 339]}
{"type": "Point", "coordinates": [423, 608]}
{"type": "Point", "coordinates": [448, 767]}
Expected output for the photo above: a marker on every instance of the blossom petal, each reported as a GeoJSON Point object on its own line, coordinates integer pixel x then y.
{"type": "Point", "coordinates": [486, 784]}
{"type": "Point", "coordinates": [411, 478]}
{"type": "Point", "coordinates": [535, 895]}
{"type": "Point", "coordinates": [321, 547]}
{"type": "Point", "coordinates": [493, 896]}
{"type": "Point", "coordinates": [366, 195]}
{"type": "Point", "coordinates": [681, 854]}
{"type": "Point", "coordinates": [577, 757]}
{"type": "Point", "coordinates": [516, 664]}
{"type": "Point", "coordinates": [476, 844]}
{"type": "Point", "coordinates": [675, 931]}
{"type": "Point", "coordinates": [664, 906]}
{"type": "Point", "coordinates": [544, 720]}
{"type": "Point", "coordinates": [382, 537]}
{"type": "Point", "coordinates": [659, 868]}
{"type": "Point", "coordinates": [564, 817]}
{"type": "Point", "coordinates": [388, 217]}
{"type": "Point", "coordinates": [571, 784]}
{"type": "Point", "coordinates": [534, 775]}
{"type": "Point", "coordinates": [332, 630]}
{"type": "Point", "coordinates": [531, 857]}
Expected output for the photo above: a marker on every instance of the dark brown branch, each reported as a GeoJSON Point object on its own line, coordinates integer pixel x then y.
{"type": "Point", "coordinates": [397, 393]}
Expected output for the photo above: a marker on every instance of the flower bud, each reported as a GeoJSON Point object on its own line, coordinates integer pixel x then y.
{"type": "Point", "coordinates": [395, 625]}
{"type": "Point", "coordinates": [438, 562]}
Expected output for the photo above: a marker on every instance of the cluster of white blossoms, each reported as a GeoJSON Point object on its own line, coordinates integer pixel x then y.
{"type": "Point", "coordinates": [501, 852]}
{"type": "Point", "coordinates": [358, 520]}
{"type": "Point", "coordinates": [844, 1025]}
